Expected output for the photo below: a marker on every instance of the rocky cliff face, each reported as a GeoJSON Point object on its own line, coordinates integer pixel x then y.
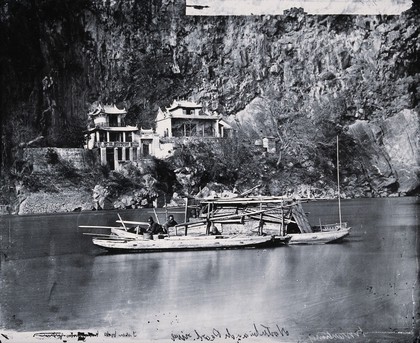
{"type": "Point", "coordinates": [360, 72]}
{"type": "Point", "coordinates": [391, 151]}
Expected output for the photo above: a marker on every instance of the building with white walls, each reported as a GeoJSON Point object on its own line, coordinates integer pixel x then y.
{"type": "Point", "coordinates": [190, 119]}
{"type": "Point", "coordinates": [119, 143]}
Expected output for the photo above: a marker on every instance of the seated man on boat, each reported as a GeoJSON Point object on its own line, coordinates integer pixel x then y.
{"type": "Point", "coordinates": [214, 231]}
{"type": "Point", "coordinates": [170, 223]}
{"type": "Point", "coordinates": [154, 228]}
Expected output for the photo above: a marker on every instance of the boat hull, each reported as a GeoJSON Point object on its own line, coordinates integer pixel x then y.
{"type": "Point", "coordinates": [319, 237]}
{"type": "Point", "coordinates": [182, 243]}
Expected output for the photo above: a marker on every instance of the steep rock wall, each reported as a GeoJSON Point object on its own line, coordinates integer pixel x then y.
{"type": "Point", "coordinates": [401, 135]}
{"type": "Point", "coordinates": [389, 152]}
{"type": "Point", "coordinates": [145, 53]}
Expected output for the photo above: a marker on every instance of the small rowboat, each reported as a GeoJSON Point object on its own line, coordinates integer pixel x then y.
{"type": "Point", "coordinates": [323, 237]}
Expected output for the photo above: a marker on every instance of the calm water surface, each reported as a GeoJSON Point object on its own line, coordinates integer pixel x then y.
{"type": "Point", "coordinates": [53, 278]}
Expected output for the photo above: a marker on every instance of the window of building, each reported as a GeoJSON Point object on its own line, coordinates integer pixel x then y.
{"type": "Point", "coordinates": [102, 136]}
{"type": "Point", "coordinates": [110, 158]}
{"type": "Point", "coordinates": [113, 120]}
{"type": "Point", "coordinates": [146, 144]}
{"type": "Point", "coordinates": [177, 129]}
{"type": "Point", "coordinates": [115, 136]}
{"type": "Point", "coordinates": [208, 130]}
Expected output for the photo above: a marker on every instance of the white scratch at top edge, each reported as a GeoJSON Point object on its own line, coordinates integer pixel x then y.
{"type": "Point", "coordinates": [314, 7]}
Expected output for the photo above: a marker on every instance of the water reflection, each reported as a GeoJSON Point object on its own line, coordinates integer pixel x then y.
{"type": "Point", "coordinates": [366, 282]}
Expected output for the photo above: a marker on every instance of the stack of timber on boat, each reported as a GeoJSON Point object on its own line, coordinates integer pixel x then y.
{"type": "Point", "coordinates": [281, 217]}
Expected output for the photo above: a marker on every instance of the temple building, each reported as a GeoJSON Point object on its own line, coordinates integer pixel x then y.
{"type": "Point", "coordinates": [189, 119]}
{"type": "Point", "coordinates": [119, 143]}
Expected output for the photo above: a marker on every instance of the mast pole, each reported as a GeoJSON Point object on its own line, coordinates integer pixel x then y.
{"type": "Point", "coordinates": [186, 215]}
{"type": "Point", "coordinates": [282, 221]}
{"type": "Point", "coordinates": [338, 183]}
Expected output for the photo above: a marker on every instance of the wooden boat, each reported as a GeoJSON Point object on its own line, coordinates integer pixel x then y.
{"type": "Point", "coordinates": [122, 239]}
{"type": "Point", "coordinates": [282, 217]}
{"type": "Point", "coordinates": [121, 233]}
{"type": "Point", "coordinates": [322, 237]}
{"type": "Point", "coordinates": [173, 243]}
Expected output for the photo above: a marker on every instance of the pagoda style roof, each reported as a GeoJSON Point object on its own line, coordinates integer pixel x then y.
{"type": "Point", "coordinates": [113, 109]}
{"type": "Point", "coordinates": [183, 104]}
{"type": "Point", "coordinates": [107, 109]}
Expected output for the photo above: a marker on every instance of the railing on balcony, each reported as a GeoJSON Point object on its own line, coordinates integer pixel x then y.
{"type": "Point", "coordinates": [116, 144]}
{"type": "Point", "coordinates": [189, 139]}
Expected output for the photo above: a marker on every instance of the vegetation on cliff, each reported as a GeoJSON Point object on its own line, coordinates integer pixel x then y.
{"type": "Point", "coordinates": [300, 78]}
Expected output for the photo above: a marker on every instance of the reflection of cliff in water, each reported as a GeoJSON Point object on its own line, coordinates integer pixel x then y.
{"type": "Point", "coordinates": [38, 293]}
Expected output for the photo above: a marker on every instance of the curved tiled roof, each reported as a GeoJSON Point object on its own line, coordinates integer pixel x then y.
{"type": "Point", "coordinates": [183, 104]}
{"type": "Point", "coordinates": [112, 109]}
{"type": "Point", "coordinates": [107, 109]}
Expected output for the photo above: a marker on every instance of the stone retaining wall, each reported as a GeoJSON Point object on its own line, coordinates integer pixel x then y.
{"type": "Point", "coordinates": [79, 158]}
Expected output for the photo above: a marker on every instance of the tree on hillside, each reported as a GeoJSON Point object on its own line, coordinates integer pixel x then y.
{"type": "Point", "coordinates": [281, 118]}
{"type": "Point", "coordinates": [211, 160]}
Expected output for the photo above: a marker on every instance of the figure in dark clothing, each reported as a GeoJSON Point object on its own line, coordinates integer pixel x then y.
{"type": "Point", "coordinates": [214, 230]}
{"type": "Point", "coordinates": [170, 223]}
{"type": "Point", "coordinates": [154, 228]}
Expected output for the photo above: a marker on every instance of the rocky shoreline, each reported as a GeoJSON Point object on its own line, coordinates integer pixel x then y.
{"type": "Point", "coordinates": [76, 200]}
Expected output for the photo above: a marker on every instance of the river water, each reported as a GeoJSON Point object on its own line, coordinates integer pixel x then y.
{"type": "Point", "coordinates": [362, 290]}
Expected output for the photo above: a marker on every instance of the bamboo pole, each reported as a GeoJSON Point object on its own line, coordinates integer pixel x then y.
{"type": "Point", "coordinates": [338, 183]}
{"type": "Point", "coordinates": [186, 215]}
{"type": "Point", "coordinates": [166, 214]}
{"type": "Point", "coordinates": [209, 215]}
{"type": "Point", "coordinates": [157, 218]}
{"type": "Point", "coordinates": [282, 221]}
{"type": "Point", "coordinates": [125, 228]}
